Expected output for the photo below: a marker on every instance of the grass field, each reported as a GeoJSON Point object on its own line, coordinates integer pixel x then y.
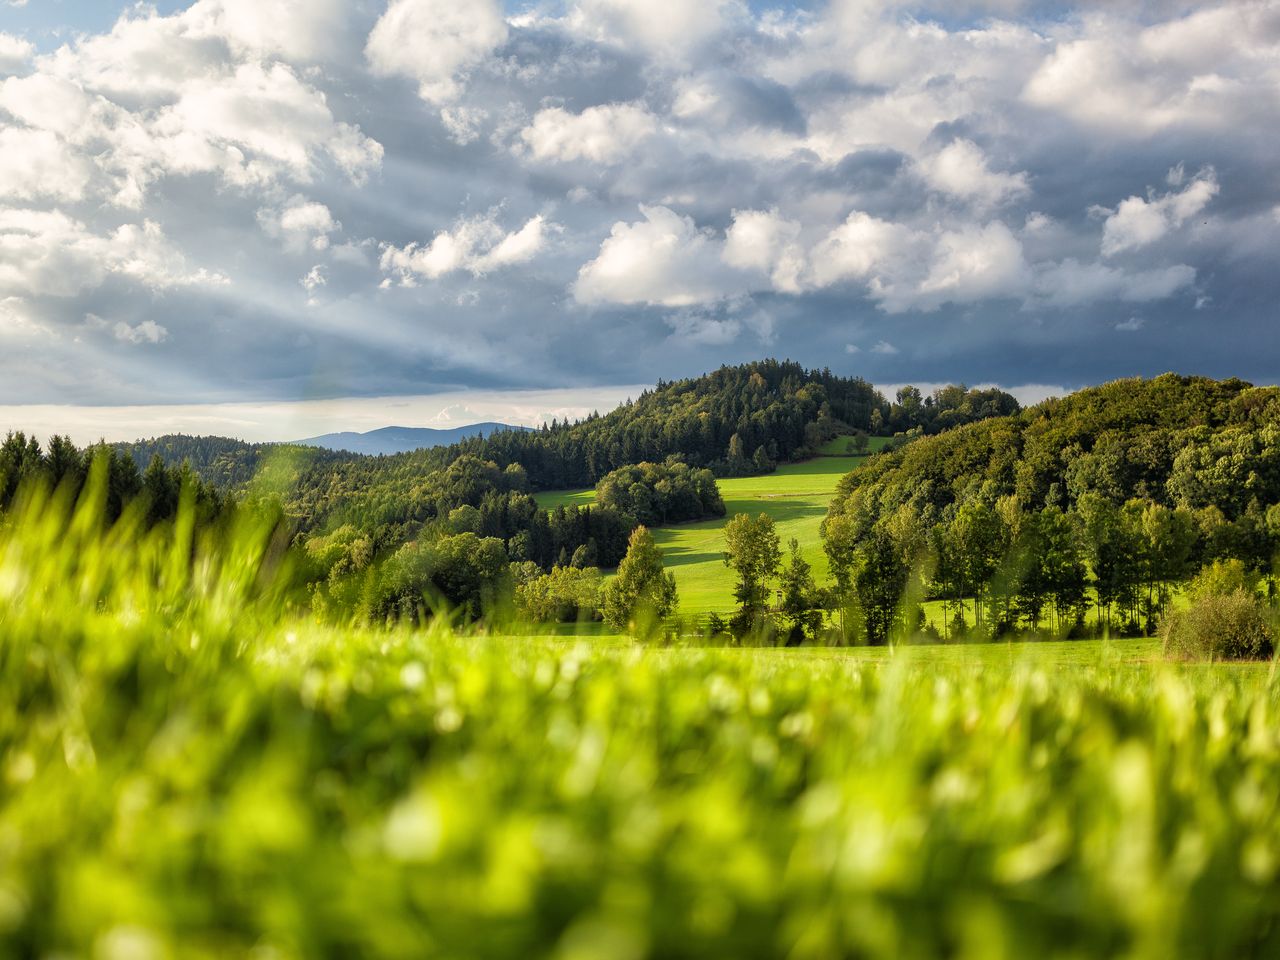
{"type": "Point", "coordinates": [795, 496]}
{"type": "Point", "coordinates": [190, 766]}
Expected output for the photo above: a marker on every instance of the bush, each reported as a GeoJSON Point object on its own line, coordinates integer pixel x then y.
{"type": "Point", "coordinates": [1232, 626]}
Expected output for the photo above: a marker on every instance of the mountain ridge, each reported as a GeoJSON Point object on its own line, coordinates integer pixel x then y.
{"type": "Point", "coordinates": [398, 439]}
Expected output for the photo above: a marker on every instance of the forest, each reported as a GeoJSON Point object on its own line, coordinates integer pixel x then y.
{"type": "Point", "coordinates": [1112, 498]}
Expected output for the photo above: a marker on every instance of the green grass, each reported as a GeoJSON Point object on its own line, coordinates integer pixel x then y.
{"type": "Point", "coordinates": [191, 767]}
{"type": "Point", "coordinates": [795, 496]}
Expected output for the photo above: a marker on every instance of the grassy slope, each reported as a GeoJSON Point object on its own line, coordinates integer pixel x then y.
{"type": "Point", "coordinates": [795, 496]}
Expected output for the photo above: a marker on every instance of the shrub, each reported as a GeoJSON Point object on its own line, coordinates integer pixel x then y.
{"type": "Point", "coordinates": [1231, 626]}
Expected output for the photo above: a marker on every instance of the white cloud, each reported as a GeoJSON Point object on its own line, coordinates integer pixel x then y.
{"type": "Point", "coordinates": [434, 42]}
{"type": "Point", "coordinates": [665, 28]}
{"type": "Point", "coordinates": [908, 269]}
{"type": "Point", "coordinates": [295, 30]}
{"type": "Point", "coordinates": [475, 244]}
{"type": "Point", "coordinates": [300, 224]}
{"type": "Point", "coordinates": [15, 52]}
{"type": "Point", "coordinates": [252, 126]}
{"type": "Point", "coordinates": [316, 278]}
{"type": "Point", "coordinates": [605, 134]}
{"type": "Point", "coordinates": [1132, 325]}
{"type": "Point", "coordinates": [518, 247]}
{"type": "Point", "coordinates": [47, 253]}
{"type": "Point", "coordinates": [38, 164]}
{"type": "Point", "coordinates": [16, 323]}
{"type": "Point", "coordinates": [1206, 70]}
{"type": "Point", "coordinates": [1137, 222]}
{"type": "Point", "coordinates": [960, 169]}
{"type": "Point", "coordinates": [463, 123]}
{"type": "Point", "coordinates": [970, 264]}
{"type": "Point", "coordinates": [268, 114]}
{"type": "Point", "coordinates": [863, 248]}
{"type": "Point", "coordinates": [663, 259]}
{"type": "Point", "coordinates": [884, 348]}
{"type": "Point", "coordinates": [765, 241]}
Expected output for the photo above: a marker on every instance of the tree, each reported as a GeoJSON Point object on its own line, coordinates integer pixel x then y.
{"type": "Point", "coordinates": [880, 582]}
{"type": "Point", "coordinates": [979, 541]}
{"type": "Point", "coordinates": [799, 598]}
{"type": "Point", "coordinates": [840, 543]}
{"type": "Point", "coordinates": [753, 550]}
{"type": "Point", "coordinates": [643, 592]}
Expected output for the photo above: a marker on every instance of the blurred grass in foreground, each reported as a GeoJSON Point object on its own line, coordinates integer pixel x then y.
{"type": "Point", "coordinates": [190, 768]}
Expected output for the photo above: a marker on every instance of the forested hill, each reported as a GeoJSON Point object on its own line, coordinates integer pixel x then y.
{"type": "Point", "coordinates": [1177, 441]}
{"type": "Point", "coordinates": [735, 420]}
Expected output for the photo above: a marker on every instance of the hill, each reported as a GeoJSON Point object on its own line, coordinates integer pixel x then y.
{"type": "Point", "coordinates": [391, 440]}
{"type": "Point", "coordinates": [1177, 441]}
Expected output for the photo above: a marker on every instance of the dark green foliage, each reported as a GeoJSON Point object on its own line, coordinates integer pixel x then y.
{"type": "Point", "coordinates": [656, 494]}
{"type": "Point", "coordinates": [1163, 440]}
{"type": "Point", "coordinates": [800, 607]}
{"type": "Point", "coordinates": [1112, 496]}
{"type": "Point", "coordinates": [24, 465]}
{"type": "Point", "coordinates": [880, 584]}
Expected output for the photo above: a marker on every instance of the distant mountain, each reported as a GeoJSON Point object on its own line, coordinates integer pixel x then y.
{"type": "Point", "coordinates": [390, 440]}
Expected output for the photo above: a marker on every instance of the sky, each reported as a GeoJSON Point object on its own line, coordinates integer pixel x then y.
{"type": "Point", "coordinates": [267, 203]}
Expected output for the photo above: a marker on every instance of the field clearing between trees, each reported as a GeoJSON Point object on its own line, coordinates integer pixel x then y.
{"type": "Point", "coordinates": [795, 497]}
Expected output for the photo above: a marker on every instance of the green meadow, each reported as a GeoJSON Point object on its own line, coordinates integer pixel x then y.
{"type": "Point", "coordinates": [193, 767]}
{"type": "Point", "coordinates": [795, 496]}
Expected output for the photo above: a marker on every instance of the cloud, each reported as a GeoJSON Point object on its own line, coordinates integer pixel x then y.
{"type": "Point", "coordinates": [1070, 283]}
{"type": "Point", "coordinates": [1131, 325]}
{"type": "Point", "coordinates": [961, 170]}
{"type": "Point", "coordinates": [260, 169]}
{"type": "Point", "coordinates": [664, 28]}
{"type": "Point", "coordinates": [50, 254]}
{"type": "Point", "coordinates": [300, 224]}
{"type": "Point", "coordinates": [663, 259]}
{"type": "Point", "coordinates": [884, 348]}
{"type": "Point", "coordinates": [145, 331]}
{"type": "Point", "coordinates": [15, 52]}
{"type": "Point", "coordinates": [476, 244]}
{"type": "Point", "coordinates": [766, 242]}
{"type": "Point", "coordinates": [863, 248]}
{"type": "Point", "coordinates": [37, 164]}
{"type": "Point", "coordinates": [316, 278]}
{"type": "Point", "coordinates": [252, 126]}
{"type": "Point", "coordinates": [294, 30]}
{"type": "Point", "coordinates": [434, 42]}
{"type": "Point", "coordinates": [603, 135]}
{"type": "Point", "coordinates": [910, 269]}
{"type": "Point", "coordinates": [1137, 222]}
{"type": "Point", "coordinates": [1205, 70]}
